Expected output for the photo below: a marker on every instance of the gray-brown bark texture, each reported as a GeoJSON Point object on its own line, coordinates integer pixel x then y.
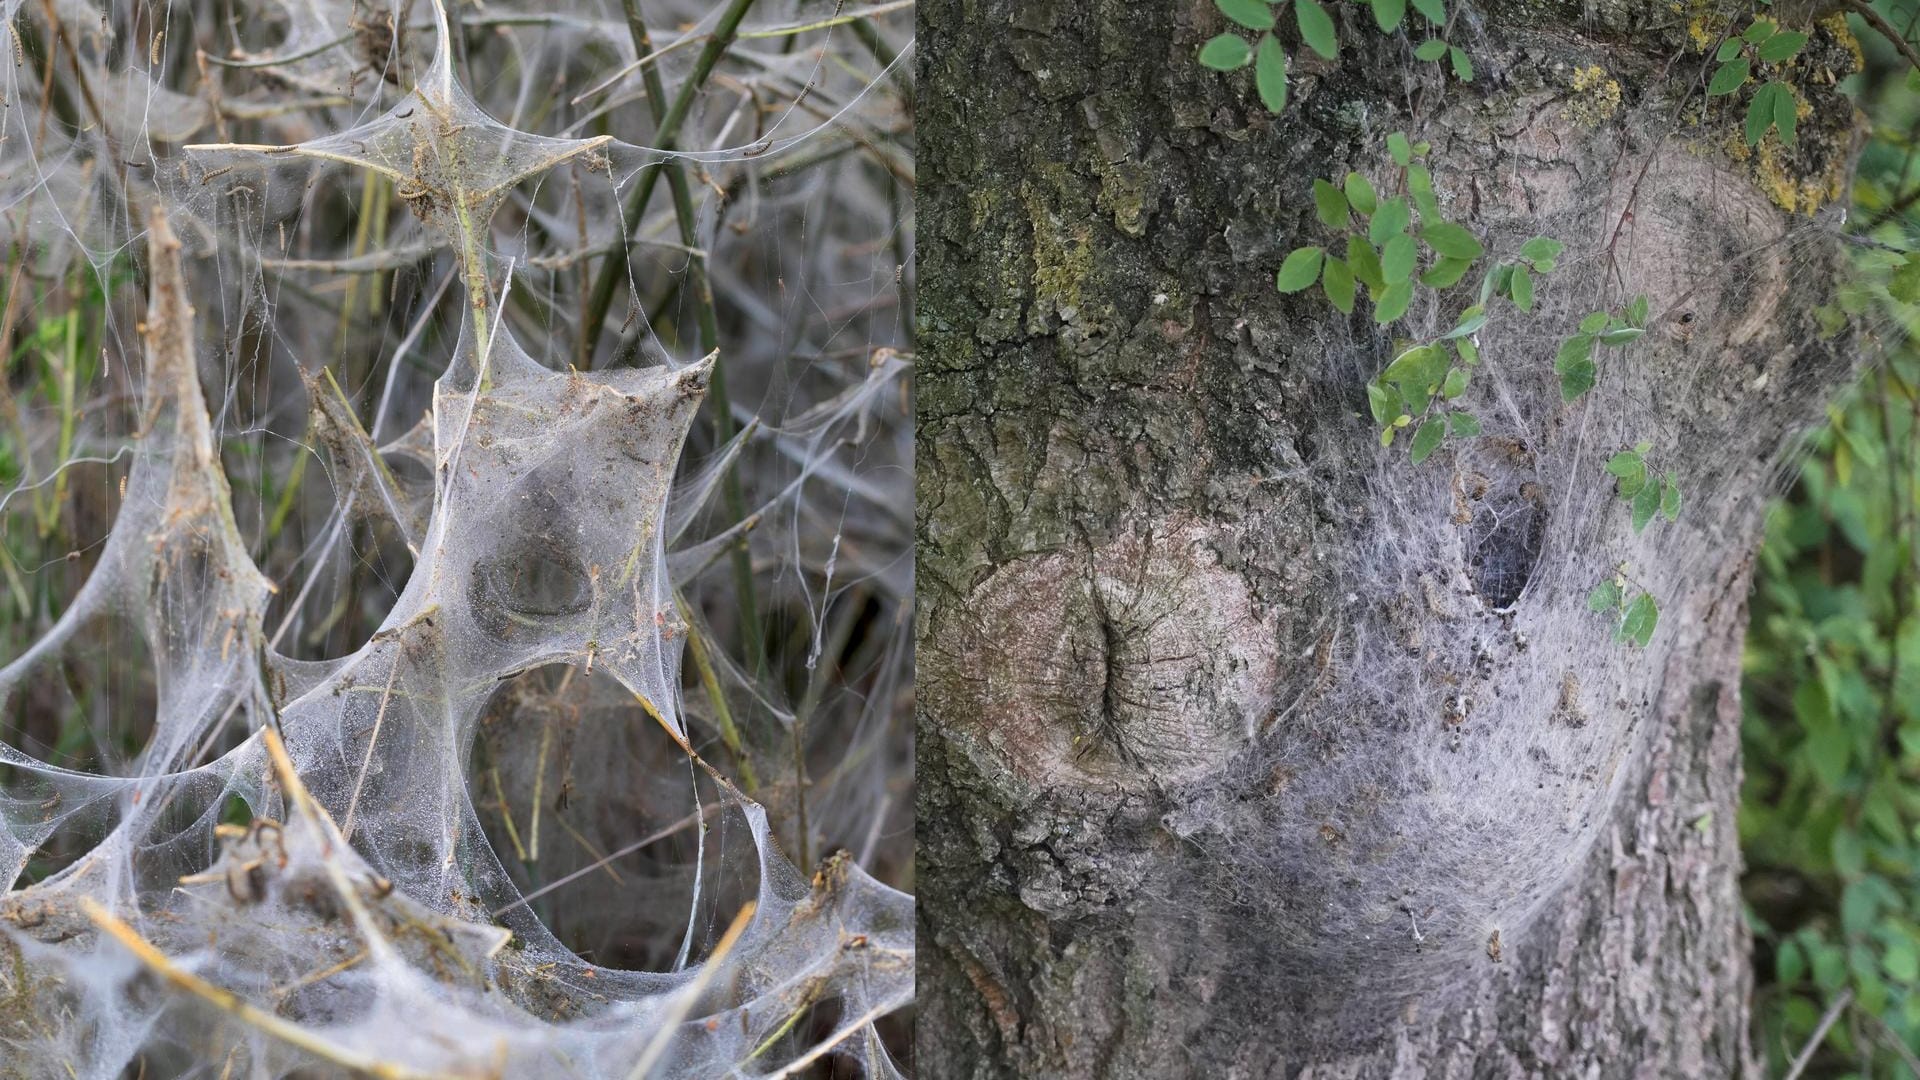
{"type": "Point", "coordinates": [1249, 748]}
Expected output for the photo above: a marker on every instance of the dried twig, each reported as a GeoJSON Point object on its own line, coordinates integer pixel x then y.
{"type": "Point", "coordinates": [228, 1002]}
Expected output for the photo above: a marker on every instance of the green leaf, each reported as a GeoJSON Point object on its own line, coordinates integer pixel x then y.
{"type": "Point", "coordinates": [1389, 220]}
{"type": "Point", "coordinates": [1252, 14]}
{"type": "Point", "coordinates": [1594, 323]}
{"type": "Point", "coordinates": [1829, 969]}
{"type": "Point", "coordinates": [1731, 76]}
{"type": "Point", "coordinates": [1387, 15]}
{"type": "Point", "coordinates": [1499, 279]}
{"type": "Point", "coordinates": [1760, 113]}
{"type": "Point", "coordinates": [1786, 112]}
{"type": "Point", "coordinates": [1316, 28]}
{"type": "Point", "coordinates": [1670, 499]}
{"type": "Point", "coordinates": [1471, 320]}
{"type": "Point", "coordinates": [1469, 352]}
{"type": "Point", "coordinates": [1337, 279]}
{"type": "Point", "coordinates": [1645, 505]}
{"type": "Point", "coordinates": [1330, 205]}
{"type": "Point", "coordinates": [1421, 365]}
{"type": "Point", "coordinates": [1427, 439]}
{"type": "Point", "coordinates": [1228, 52]}
{"type": "Point", "coordinates": [1541, 248]}
{"type": "Point", "coordinates": [1828, 747]}
{"type": "Point", "coordinates": [1729, 49]}
{"type": "Point", "coordinates": [1364, 261]}
{"type": "Point", "coordinates": [1301, 269]}
{"type": "Point", "coordinates": [1575, 350]}
{"type": "Point", "coordinates": [1901, 961]}
{"type": "Point", "coordinates": [1637, 313]}
{"type": "Point", "coordinates": [1270, 73]}
{"type": "Point", "coordinates": [1761, 30]}
{"type": "Point", "coordinates": [1904, 285]}
{"type": "Point", "coordinates": [1782, 46]}
{"type": "Point", "coordinates": [1430, 50]}
{"type": "Point", "coordinates": [1383, 403]}
{"type": "Point", "coordinates": [1397, 258]}
{"type": "Point", "coordinates": [1360, 194]}
{"type": "Point", "coordinates": [1522, 289]}
{"type": "Point", "coordinates": [1397, 144]}
{"type": "Point", "coordinates": [1789, 963]}
{"type": "Point", "coordinates": [1392, 303]}
{"type": "Point", "coordinates": [1577, 379]}
{"type": "Point", "coordinates": [1420, 183]}
{"type": "Point", "coordinates": [1462, 67]}
{"type": "Point", "coordinates": [1850, 859]}
{"type": "Point", "coordinates": [1446, 272]}
{"type": "Point", "coordinates": [1630, 469]}
{"type": "Point", "coordinates": [1463, 424]}
{"type": "Point", "coordinates": [1605, 596]}
{"type": "Point", "coordinates": [1642, 615]}
{"type": "Point", "coordinates": [1434, 10]}
{"type": "Point", "coordinates": [1456, 383]}
{"type": "Point", "coordinates": [1450, 240]}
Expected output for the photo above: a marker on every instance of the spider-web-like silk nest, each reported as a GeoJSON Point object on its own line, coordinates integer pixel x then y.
{"type": "Point", "coordinates": [363, 923]}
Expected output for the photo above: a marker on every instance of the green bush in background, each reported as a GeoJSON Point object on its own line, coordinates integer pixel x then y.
{"type": "Point", "coordinates": [1830, 816]}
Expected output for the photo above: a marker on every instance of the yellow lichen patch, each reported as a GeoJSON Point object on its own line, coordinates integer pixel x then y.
{"type": "Point", "coordinates": [1788, 192]}
{"type": "Point", "coordinates": [1061, 258]}
{"type": "Point", "coordinates": [1836, 24]}
{"type": "Point", "coordinates": [1697, 30]}
{"type": "Point", "coordinates": [1596, 96]}
{"type": "Point", "coordinates": [1703, 22]}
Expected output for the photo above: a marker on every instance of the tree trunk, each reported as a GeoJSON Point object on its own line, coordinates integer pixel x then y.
{"type": "Point", "coordinates": [1247, 746]}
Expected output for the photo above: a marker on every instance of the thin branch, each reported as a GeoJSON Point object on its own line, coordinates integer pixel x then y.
{"type": "Point", "coordinates": [1886, 30]}
{"type": "Point", "coordinates": [667, 121]}
{"type": "Point", "coordinates": [835, 1039]}
{"type": "Point", "coordinates": [1819, 1033]}
{"type": "Point", "coordinates": [228, 1002]}
{"type": "Point", "coordinates": [689, 994]}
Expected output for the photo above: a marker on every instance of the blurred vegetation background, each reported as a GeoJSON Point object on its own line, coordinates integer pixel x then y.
{"type": "Point", "coordinates": [1830, 816]}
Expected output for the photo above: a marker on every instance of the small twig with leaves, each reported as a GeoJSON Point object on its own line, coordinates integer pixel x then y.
{"type": "Point", "coordinates": [1638, 613]}
{"type": "Point", "coordinates": [1231, 52]}
{"type": "Point", "coordinates": [1381, 252]}
{"type": "Point", "coordinates": [1774, 104]}
{"type": "Point", "coordinates": [1649, 495]}
{"type": "Point", "coordinates": [1574, 362]}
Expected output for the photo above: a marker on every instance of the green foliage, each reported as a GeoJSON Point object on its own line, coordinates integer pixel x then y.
{"type": "Point", "coordinates": [1574, 362]}
{"type": "Point", "coordinates": [1270, 73]}
{"type": "Point", "coordinates": [1384, 234]}
{"type": "Point", "coordinates": [1316, 28]}
{"type": "Point", "coordinates": [1228, 52]}
{"type": "Point", "coordinates": [1633, 610]}
{"type": "Point", "coordinates": [1830, 817]}
{"type": "Point", "coordinates": [1231, 51]}
{"type": "Point", "coordinates": [1830, 811]}
{"type": "Point", "coordinates": [1381, 239]}
{"type": "Point", "coordinates": [1773, 105]}
{"type": "Point", "coordinates": [1648, 494]}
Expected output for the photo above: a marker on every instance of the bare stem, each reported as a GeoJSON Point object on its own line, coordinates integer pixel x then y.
{"type": "Point", "coordinates": [228, 1002]}
{"type": "Point", "coordinates": [667, 124]}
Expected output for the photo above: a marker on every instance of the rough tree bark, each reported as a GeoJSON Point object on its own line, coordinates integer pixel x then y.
{"type": "Point", "coordinates": [1249, 748]}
